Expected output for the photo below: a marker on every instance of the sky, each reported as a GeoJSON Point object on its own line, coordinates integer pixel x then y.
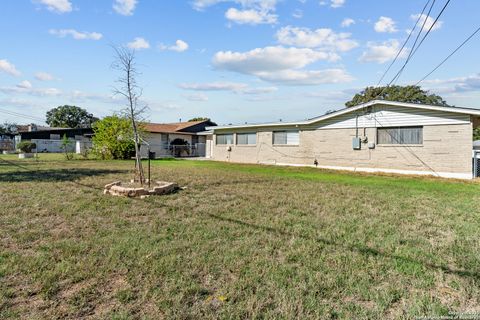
{"type": "Point", "coordinates": [233, 61]}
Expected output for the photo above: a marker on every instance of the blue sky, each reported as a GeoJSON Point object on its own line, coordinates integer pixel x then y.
{"type": "Point", "coordinates": [234, 61]}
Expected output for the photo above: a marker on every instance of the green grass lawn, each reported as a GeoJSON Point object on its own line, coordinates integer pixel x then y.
{"type": "Point", "coordinates": [241, 241]}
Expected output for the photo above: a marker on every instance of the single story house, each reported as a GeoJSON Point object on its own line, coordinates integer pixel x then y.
{"type": "Point", "coordinates": [180, 139]}
{"type": "Point", "coordinates": [49, 139]}
{"type": "Point", "coordinates": [378, 136]}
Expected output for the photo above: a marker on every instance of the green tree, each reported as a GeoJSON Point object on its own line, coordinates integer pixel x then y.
{"type": "Point", "coordinates": [199, 119]}
{"type": "Point", "coordinates": [476, 134]}
{"type": "Point", "coordinates": [113, 138]}
{"type": "Point", "coordinates": [70, 117]}
{"type": "Point", "coordinates": [412, 94]}
{"type": "Point", "coordinates": [8, 128]}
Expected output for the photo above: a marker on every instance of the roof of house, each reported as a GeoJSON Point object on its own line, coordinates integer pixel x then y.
{"type": "Point", "coordinates": [178, 127]}
{"type": "Point", "coordinates": [25, 128]}
{"type": "Point", "coordinates": [469, 111]}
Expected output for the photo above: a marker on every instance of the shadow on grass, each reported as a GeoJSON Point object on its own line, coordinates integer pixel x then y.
{"type": "Point", "coordinates": [54, 175]}
{"type": "Point", "coordinates": [353, 248]}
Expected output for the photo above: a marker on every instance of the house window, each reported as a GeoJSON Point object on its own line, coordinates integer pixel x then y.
{"type": "Point", "coordinates": [400, 135]}
{"type": "Point", "coordinates": [54, 136]}
{"type": "Point", "coordinates": [246, 138]}
{"type": "Point", "coordinates": [286, 137]}
{"type": "Point", "coordinates": [225, 138]}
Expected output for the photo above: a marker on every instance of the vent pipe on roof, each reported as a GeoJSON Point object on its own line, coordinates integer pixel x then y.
{"type": "Point", "coordinates": [32, 127]}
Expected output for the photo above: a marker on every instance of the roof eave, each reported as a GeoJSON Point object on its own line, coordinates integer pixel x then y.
{"type": "Point", "coordinates": [351, 109]}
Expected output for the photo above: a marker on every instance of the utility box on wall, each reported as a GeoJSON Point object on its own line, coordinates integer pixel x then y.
{"type": "Point", "coordinates": [356, 143]}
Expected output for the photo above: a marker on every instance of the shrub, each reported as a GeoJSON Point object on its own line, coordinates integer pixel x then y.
{"type": "Point", "coordinates": [66, 146]}
{"type": "Point", "coordinates": [26, 146]}
{"type": "Point", "coordinates": [113, 138]}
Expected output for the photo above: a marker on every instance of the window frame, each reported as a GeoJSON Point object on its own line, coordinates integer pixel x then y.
{"type": "Point", "coordinates": [226, 143]}
{"type": "Point", "coordinates": [399, 143]}
{"type": "Point", "coordinates": [286, 138]}
{"type": "Point", "coordinates": [247, 134]}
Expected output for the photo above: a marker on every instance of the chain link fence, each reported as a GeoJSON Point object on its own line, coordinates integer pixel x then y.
{"type": "Point", "coordinates": [176, 151]}
{"type": "Point", "coordinates": [476, 164]}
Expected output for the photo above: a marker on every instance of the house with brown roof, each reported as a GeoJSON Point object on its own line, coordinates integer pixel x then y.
{"type": "Point", "coordinates": [180, 139]}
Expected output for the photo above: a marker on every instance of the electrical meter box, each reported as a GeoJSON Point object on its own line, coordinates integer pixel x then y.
{"type": "Point", "coordinates": [356, 143]}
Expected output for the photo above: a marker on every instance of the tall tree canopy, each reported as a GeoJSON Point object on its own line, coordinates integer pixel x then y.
{"type": "Point", "coordinates": [412, 94]}
{"type": "Point", "coordinates": [70, 117]}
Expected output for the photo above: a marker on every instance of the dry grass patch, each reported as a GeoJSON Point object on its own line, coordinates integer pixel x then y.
{"type": "Point", "coordinates": [241, 241]}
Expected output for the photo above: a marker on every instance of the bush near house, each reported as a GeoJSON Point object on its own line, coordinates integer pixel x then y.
{"type": "Point", "coordinates": [26, 146]}
{"type": "Point", "coordinates": [113, 138]}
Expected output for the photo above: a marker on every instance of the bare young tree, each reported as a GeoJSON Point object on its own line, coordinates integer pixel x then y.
{"type": "Point", "coordinates": [128, 88]}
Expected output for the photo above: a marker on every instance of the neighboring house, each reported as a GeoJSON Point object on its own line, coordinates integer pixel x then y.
{"type": "Point", "coordinates": [181, 139]}
{"type": "Point", "coordinates": [7, 143]}
{"type": "Point", "coordinates": [378, 136]}
{"type": "Point", "coordinates": [49, 139]}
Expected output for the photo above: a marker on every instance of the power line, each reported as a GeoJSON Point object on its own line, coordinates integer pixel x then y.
{"type": "Point", "coordinates": [414, 50]}
{"type": "Point", "coordinates": [449, 56]}
{"type": "Point", "coordinates": [410, 54]}
{"type": "Point", "coordinates": [20, 115]}
{"type": "Point", "coordinates": [414, 44]}
{"type": "Point", "coordinates": [406, 41]}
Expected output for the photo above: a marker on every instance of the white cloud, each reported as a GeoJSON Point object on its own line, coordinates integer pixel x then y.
{"type": "Point", "coordinates": [7, 67]}
{"type": "Point", "coordinates": [281, 65]}
{"type": "Point", "coordinates": [58, 6]}
{"type": "Point", "coordinates": [269, 59]}
{"type": "Point", "coordinates": [320, 38]}
{"type": "Point", "coordinates": [44, 76]}
{"type": "Point", "coordinates": [23, 88]}
{"type": "Point", "coordinates": [80, 96]}
{"type": "Point", "coordinates": [338, 97]}
{"type": "Point", "coordinates": [214, 86]}
{"type": "Point", "coordinates": [382, 52]}
{"type": "Point", "coordinates": [250, 16]}
{"type": "Point", "coordinates": [337, 3]}
{"type": "Point", "coordinates": [307, 77]}
{"type": "Point", "coordinates": [179, 46]}
{"type": "Point", "coordinates": [297, 14]}
{"type": "Point", "coordinates": [25, 84]}
{"type": "Point", "coordinates": [19, 102]}
{"type": "Point", "coordinates": [138, 44]}
{"type": "Point", "coordinates": [260, 4]}
{"type": "Point", "coordinates": [259, 90]}
{"type": "Point", "coordinates": [77, 35]}
{"type": "Point", "coordinates": [455, 85]}
{"type": "Point", "coordinates": [347, 22]}
{"type": "Point", "coordinates": [385, 24]}
{"type": "Point", "coordinates": [427, 20]}
{"type": "Point", "coordinates": [251, 12]}
{"type": "Point", "coordinates": [125, 7]}
{"type": "Point", "coordinates": [236, 87]}
{"type": "Point", "coordinates": [196, 97]}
